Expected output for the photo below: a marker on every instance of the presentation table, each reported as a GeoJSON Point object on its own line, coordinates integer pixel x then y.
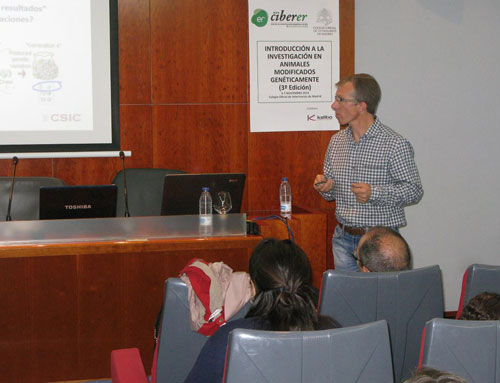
{"type": "Point", "coordinates": [73, 290]}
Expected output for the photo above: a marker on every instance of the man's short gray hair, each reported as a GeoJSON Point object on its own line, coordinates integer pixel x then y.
{"type": "Point", "coordinates": [366, 89]}
{"type": "Point", "coordinates": [384, 249]}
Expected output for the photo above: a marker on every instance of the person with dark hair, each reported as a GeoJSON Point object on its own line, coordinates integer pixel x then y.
{"type": "Point", "coordinates": [484, 306]}
{"type": "Point", "coordinates": [383, 249]}
{"type": "Point", "coordinates": [431, 375]}
{"type": "Point", "coordinates": [285, 300]}
{"type": "Point", "coordinates": [369, 170]}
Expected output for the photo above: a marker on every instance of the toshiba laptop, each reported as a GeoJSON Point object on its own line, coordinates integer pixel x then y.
{"type": "Point", "coordinates": [181, 192]}
{"type": "Point", "coordinates": [65, 202]}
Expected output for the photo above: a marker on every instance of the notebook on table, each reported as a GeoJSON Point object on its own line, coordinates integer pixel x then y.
{"type": "Point", "coordinates": [65, 202]}
{"type": "Point", "coordinates": [181, 192]}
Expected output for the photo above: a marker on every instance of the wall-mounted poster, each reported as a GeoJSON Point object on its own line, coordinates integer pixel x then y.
{"type": "Point", "coordinates": [294, 64]}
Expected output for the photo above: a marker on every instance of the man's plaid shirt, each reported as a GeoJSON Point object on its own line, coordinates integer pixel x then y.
{"type": "Point", "coordinates": [384, 160]}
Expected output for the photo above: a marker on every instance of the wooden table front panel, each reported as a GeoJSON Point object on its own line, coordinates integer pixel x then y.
{"type": "Point", "coordinates": [66, 307]}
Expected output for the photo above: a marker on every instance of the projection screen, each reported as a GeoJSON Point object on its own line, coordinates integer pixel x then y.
{"type": "Point", "coordinates": [59, 76]}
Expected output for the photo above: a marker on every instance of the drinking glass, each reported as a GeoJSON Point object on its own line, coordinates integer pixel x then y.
{"type": "Point", "coordinates": [222, 202]}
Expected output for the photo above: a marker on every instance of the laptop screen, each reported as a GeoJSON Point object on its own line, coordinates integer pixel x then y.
{"type": "Point", "coordinates": [65, 202]}
{"type": "Point", "coordinates": [181, 192]}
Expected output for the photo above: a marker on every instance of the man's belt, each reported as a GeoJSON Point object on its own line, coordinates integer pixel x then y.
{"type": "Point", "coordinates": [358, 231]}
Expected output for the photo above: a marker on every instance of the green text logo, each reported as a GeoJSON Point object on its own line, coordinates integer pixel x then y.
{"type": "Point", "coordinates": [259, 17]}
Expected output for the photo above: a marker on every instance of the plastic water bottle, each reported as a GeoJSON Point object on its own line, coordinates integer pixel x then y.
{"type": "Point", "coordinates": [285, 198]}
{"type": "Point", "coordinates": [205, 207]}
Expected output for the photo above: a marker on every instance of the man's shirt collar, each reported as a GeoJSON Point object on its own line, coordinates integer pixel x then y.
{"type": "Point", "coordinates": [373, 130]}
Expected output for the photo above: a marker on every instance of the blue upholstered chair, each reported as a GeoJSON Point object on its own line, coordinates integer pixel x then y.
{"type": "Point", "coordinates": [178, 345]}
{"type": "Point", "coordinates": [477, 279]}
{"type": "Point", "coordinates": [405, 299]}
{"type": "Point", "coordinates": [359, 354]}
{"type": "Point", "coordinates": [469, 349]}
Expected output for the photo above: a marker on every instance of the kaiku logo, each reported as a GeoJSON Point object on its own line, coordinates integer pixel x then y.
{"type": "Point", "coordinates": [313, 117]}
{"type": "Point", "coordinates": [259, 17]}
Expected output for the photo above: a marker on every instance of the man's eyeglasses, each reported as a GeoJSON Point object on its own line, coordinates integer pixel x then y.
{"type": "Point", "coordinates": [342, 100]}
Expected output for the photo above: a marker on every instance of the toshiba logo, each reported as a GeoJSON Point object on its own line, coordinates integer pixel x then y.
{"type": "Point", "coordinates": [77, 207]}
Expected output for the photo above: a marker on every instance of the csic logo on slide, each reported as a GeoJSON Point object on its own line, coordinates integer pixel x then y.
{"type": "Point", "coordinates": [260, 17]}
{"type": "Point", "coordinates": [65, 117]}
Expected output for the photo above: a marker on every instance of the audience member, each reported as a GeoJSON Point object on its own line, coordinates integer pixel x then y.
{"type": "Point", "coordinates": [284, 301]}
{"type": "Point", "coordinates": [484, 306]}
{"type": "Point", "coordinates": [383, 249]}
{"type": "Point", "coordinates": [431, 375]}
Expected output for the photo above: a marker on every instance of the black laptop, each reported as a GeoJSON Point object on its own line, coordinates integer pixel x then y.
{"type": "Point", "coordinates": [181, 192]}
{"type": "Point", "coordinates": [65, 202]}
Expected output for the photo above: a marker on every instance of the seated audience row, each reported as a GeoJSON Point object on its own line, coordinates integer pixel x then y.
{"type": "Point", "coordinates": [284, 300]}
{"type": "Point", "coordinates": [382, 249]}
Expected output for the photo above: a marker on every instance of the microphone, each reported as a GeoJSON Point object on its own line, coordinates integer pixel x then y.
{"type": "Point", "coordinates": [125, 195]}
{"type": "Point", "coordinates": [15, 160]}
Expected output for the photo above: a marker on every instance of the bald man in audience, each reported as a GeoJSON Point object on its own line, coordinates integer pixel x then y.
{"type": "Point", "coordinates": [383, 249]}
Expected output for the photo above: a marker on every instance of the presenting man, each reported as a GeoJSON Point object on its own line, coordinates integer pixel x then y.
{"type": "Point", "coordinates": [369, 169]}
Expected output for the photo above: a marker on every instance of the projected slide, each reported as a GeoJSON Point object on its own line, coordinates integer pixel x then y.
{"type": "Point", "coordinates": [55, 85]}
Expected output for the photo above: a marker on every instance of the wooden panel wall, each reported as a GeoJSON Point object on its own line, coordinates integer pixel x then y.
{"type": "Point", "coordinates": [184, 99]}
{"type": "Point", "coordinates": [66, 306]}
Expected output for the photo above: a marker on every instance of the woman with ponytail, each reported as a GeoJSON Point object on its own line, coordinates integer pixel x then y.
{"type": "Point", "coordinates": [285, 300]}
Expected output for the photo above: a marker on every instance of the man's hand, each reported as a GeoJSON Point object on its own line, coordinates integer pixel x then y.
{"type": "Point", "coordinates": [321, 184]}
{"type": "Point", "coordinates": [362, 192]}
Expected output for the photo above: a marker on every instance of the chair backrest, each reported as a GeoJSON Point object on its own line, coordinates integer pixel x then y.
{"type": "Point", "coordinates": [348, 355]}
{"type": "Point", "coordinates": [25, 196]}
{"type": "Point", "coordinates": [178, 346]}
{"type": "Point", "coordinates": [405, 299]}
{"type": "Point", "coordinates": [478, 278]}
{"type": "Point", "coordinates": [469, 349]}
{"type": "Point", "coordinates": [144, 190]}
